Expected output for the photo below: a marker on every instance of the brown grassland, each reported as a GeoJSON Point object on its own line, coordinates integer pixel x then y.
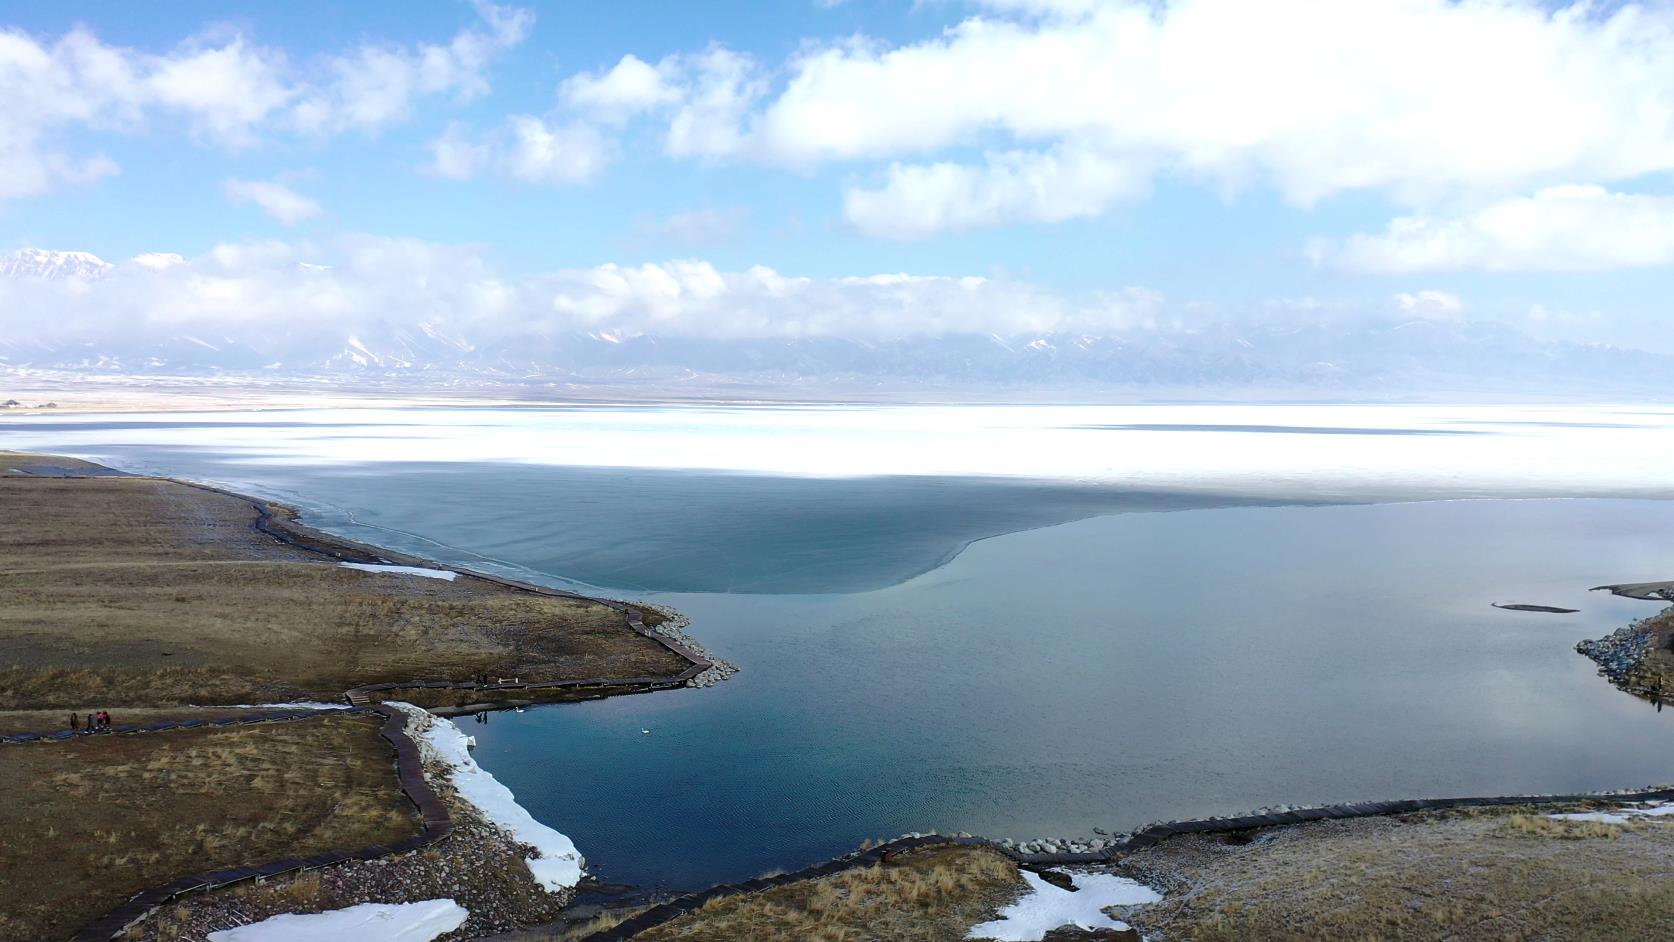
{"type": "Point", "coordinates": [1471, 875]}
{"type": "Point", "coordinates": [91, 821]}
{"type": "Point", "coordinates": [123, 591]}
{"type": "Point", "coordinates": [1487, 874]}
{"type": "Point", "coordinates": [929, 895]}
{"type": "Point", "coordinates": [159, 600]}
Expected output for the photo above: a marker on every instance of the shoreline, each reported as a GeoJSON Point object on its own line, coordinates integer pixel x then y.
{"type": "Point", "coordinates": [282, 522]}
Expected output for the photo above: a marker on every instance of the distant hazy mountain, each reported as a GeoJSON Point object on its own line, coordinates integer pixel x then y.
{"type": "Point", "coordinates": [1375, 357]}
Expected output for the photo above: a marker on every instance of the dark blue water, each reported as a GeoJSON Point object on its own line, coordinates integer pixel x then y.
{"type": "Point", "coordinates": [1088, 667]}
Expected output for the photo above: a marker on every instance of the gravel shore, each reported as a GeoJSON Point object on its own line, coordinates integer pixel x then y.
{"type": "Point", "coordinates": [674, 627]}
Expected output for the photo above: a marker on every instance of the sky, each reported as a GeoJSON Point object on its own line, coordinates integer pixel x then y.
{"type": "Point", "coordinates": [862, 167]}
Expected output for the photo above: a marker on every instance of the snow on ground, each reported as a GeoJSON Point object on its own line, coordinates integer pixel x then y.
{"type": "Point", "coordinates": [447, 574]}
{"type": "Point", "coordinates": [1621, 815]}
{"type": "Point", "coordinates": [1046, 907]}
{"type": "Point", "coordinates": [368, 922]}
{"type": "Point", "coordinates": [557, 864]}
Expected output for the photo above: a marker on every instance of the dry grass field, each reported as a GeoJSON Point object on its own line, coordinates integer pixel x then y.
{"type": "Point", "coordinates": [119, 591]}
{"type": "Point", "coordinates": [91, 821]}
{"type": "Point", "coordinates": [929, 895]}
{"type": "Point", "coordinates": [1488, 874]}
{"type": "Point", "coordinates": [1466, 876]}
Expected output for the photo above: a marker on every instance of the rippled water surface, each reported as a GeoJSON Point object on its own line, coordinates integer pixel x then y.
{"type": "Point", "coordinates": [1012, 654]}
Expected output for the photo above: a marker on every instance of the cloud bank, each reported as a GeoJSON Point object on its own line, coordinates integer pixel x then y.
{"type": "Point", "coordinates": [360, 281]}
{"type": "Point", "coordinates": [1564, 228]}
{"type": "Point", "coordinates": [1038, 111]}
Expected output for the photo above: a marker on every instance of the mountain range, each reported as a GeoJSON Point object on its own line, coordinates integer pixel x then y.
{"type": "Point", "coordinates": [1366, 357]}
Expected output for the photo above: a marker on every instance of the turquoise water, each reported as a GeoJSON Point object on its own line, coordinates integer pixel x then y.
{"type": "Point", "coordinates": [1011, 657]}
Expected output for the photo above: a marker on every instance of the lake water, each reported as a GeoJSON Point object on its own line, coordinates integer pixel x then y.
{"type": "Point", "coordinates": [1034, 621]}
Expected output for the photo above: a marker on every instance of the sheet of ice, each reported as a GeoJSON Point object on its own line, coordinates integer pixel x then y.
{"type": "Point", "coordinates": [1340, 451]}
{"type": "Point", "coordinates": [557, 864]}
{"type": "Point", "coordinates": [1046, 907]}
{"type": "Point", "coordinates": [368, 922]}
{"type": "Point", "coordinates": [446, 574]}
{"type": "Point", "coordinates": [1621, 815]}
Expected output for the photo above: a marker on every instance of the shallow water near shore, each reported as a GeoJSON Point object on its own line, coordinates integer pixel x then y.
{"type": "Point", "coordinates": [1009, 655]}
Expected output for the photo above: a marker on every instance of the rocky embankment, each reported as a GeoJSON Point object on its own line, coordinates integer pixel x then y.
{"type": "Point", "coordinates": [1636, 658]}
{"type": "Point", "coordinates": [1619, 653]}
{"type": "Point", "coordinates": [674, 626]}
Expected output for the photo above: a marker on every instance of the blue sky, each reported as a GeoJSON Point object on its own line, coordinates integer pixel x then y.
{"type": "Point", "coordinates": [1233, 159]}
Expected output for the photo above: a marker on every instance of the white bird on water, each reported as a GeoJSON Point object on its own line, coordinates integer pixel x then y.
{"type": "Point", "coordinates": [645, 732]}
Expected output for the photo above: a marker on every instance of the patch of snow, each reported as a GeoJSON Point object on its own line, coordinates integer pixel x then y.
{"type": "Point", "coordinates": [557, 865]}
{"type": "Point", "coordinates": [1621, 815]}
{"type": "Point", "coordinates": [367, 922]}
{"type": "Point", "coordinates": [446, 574]}
{"type": "Point", "coordinates": [1046, 907]}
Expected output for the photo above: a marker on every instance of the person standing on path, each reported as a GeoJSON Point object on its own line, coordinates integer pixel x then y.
{"type": "Point", "coordinates": [74, 723]}
{"type": "Point", "coordinates": [90, 722]}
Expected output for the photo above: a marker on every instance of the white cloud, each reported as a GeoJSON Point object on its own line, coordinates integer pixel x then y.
{"type": "Point", "coordinates": [630, 87]}
{"type": "Point", "coordinates": [1564, 228]}
{"type": "Point", "coordinates": [275, 199]}
{"type": "Point", "coordinates": [1428, 101]}
{"type": "Point", "coordinates": [527, 148]}
{"type": "Point", "coordinates": [377, 85]}
{"type": "Point", "coordinates": [226, 91]}
{"type": "Point", "coordinates": [457, 155]}
{"type": "Point", "coordinates": [276, 290]}
{"type": "Point", "coordinates": [919, 200]}
{"type": "Point", "coordinates": [226, 88]}
{"type": "Point", "coordinates": [1439, 305]}
{"type": "Point", "coordinates": [721, 86]}
{"type": "Point", "coordinates": [554, 153]}
{"type": "Point", "coordinates": [704, 97]}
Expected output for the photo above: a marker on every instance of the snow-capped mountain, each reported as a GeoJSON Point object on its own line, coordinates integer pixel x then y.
{"type": "Point", "coordinates": [47, 263]}
{"type": "Point", "coordinates": [1368, 356]}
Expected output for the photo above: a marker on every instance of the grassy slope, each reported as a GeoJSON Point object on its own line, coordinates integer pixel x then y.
{"type": "Point", "coordinates": [931, 895]}
{"type": "Point", "coordinates": [91, 821]}
{"type": "Point", "coordinates": [1488, 875]}
{"type": "Point", "coordinates": [138, 591]}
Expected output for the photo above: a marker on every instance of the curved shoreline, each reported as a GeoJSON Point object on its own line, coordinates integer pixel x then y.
{"type": "Point", "coordinates": [280, 522]}
{"type": "Point", "coordinates": [1148, 836]}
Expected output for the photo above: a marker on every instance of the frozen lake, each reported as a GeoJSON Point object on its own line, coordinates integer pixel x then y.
{"type": "Point", "coordinates": [1018, 621]}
